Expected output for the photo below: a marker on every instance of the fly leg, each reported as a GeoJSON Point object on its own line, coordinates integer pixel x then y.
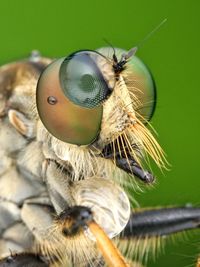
{"type": "Point", "coordinates": [147, 230]}
{"type": "Point", "coordinates": [78, 218]}
{"type": "Point", "coordinates": [161, 222]}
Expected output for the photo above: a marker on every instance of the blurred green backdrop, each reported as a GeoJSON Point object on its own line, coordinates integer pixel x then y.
{"type": "Point", "coordinates": [57, 28]}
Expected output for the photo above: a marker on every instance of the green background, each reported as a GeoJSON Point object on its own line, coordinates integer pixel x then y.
{"type": "Point", "coordinates": [57, 28]}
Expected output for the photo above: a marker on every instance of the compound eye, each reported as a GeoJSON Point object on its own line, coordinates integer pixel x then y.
{"type": "Point", "coordinates": [142, 85]}
{"type": "Point", "coordinates": [69, 97]}
{"type": "Point", "coordinates": [82, 80]}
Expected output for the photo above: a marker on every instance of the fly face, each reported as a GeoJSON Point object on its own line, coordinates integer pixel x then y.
{"type": "Point", "coordinates": [114, 102]}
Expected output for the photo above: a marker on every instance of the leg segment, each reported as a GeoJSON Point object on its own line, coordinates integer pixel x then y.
{"type": "Point", "coordinates": [160, 222]}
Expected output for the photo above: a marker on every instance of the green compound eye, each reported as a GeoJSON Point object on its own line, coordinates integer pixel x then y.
{"type": "Point", "coordinates": [139, 81]}
{"type": "Point", "coordinates": [143, 86]}
{"type": "Point", "coordinates": [82, 81]}
{"type": "Point", "coordinates": [69, 96]}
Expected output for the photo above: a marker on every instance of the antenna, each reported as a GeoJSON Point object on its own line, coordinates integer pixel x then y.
{"type": "Point", "coordinates": [114, 53]}
{"type": "Point", "coordinates": [133, 50]}
{"type": "Point", "coordinates": [152, 32]}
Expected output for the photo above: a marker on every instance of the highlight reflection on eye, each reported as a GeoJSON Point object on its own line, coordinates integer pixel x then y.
{"type": "Point", "coordinates": [82, 81]}
{"type": "Point", "coordinates": [69, 96]}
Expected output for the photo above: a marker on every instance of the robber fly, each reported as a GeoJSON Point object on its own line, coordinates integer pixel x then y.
{"type": "Point", "coordinates": [73, 141]}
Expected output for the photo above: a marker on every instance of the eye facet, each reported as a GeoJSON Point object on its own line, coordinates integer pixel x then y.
{"type": "Point", "coordinates": [82, 80]}
{"type": "Point", "coordinates": [139, 81]}
{"type": "Point", "coordinates": [69, 96]}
